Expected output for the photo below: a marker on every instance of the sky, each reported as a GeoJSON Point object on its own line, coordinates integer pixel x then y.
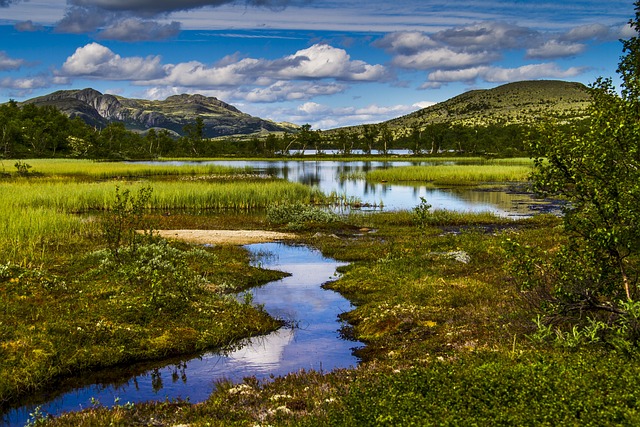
{"type": "Point", "coordinates": [326, 63]}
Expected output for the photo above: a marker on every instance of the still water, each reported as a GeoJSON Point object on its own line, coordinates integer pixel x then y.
{"type": "Point", "coordinates": [314, 343]}
{"type": "Point", "coordinates": [345, 178]}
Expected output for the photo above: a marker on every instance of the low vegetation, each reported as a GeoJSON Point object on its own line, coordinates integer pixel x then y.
{"type": "Point", "coordinates": [468, 319]}
{"type": "Point", "coordinates": [454, 174]}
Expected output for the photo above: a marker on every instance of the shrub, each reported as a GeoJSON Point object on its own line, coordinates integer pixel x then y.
{"type": "Point", "coordinates": [296, 216]}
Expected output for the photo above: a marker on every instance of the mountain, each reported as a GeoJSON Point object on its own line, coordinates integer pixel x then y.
{"type": "Point", "coordinates": [172, 114]}
{"type": "Point", "coordinates": [512, 103]}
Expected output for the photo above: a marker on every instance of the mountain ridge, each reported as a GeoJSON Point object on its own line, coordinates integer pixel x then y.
{"type": "Point", "coordinates": [172, 114]}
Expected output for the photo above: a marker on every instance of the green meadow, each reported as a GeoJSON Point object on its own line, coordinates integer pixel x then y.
{"type": "Point", "coordinates": [450, 339]}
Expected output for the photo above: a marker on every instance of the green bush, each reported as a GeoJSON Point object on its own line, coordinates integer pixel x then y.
{"type": "Point", "coordinates": [587, 389]}
{"type": "Point", "coordinates": [158, 273]}
{"type": "Point", "coordinates": [296, 216]}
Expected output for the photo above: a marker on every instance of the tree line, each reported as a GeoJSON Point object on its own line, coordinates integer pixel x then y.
{"type": "Point", "coordinates": [44, 131]}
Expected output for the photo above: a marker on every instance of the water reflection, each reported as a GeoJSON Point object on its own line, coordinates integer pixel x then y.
{"type": "Point", "coordinates": [314, 344]}
{"type": "Point", "coordinates": [346, 178]}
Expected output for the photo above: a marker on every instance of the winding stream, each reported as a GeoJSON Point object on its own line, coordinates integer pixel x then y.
{"type": "Point", "coordinates": [314, 343]}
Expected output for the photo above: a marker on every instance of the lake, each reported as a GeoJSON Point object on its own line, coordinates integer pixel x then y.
{"type": "Point", "coordinates": [334, 177]}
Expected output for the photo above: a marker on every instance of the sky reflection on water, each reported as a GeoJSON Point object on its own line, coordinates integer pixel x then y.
{"type": "Point", "coordinates": [314, 344]}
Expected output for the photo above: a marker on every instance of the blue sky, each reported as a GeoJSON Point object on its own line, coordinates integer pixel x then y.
{"type": "Point", "coordinates": [324, 62]}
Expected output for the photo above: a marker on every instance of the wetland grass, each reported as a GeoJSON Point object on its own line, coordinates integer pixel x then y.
{"type": "Point", "coordinates": [87, 169]}
{"type": "Point", "coordinates": [456, 174]}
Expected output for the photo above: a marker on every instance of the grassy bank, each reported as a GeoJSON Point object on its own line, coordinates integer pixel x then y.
{"type": "Point", "coordinates": [447, 343]}
{"type": "Point", "coordinates": [449, 338]}
{"type": "Point", "coordinates": [457, 174]}
{"type": "Point", "coordinates": [77, 297]}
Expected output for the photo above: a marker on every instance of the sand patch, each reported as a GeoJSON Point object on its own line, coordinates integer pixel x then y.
{"type": "Point", "coordinates": [230, 237]}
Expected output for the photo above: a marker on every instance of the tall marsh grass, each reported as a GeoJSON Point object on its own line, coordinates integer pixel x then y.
{"type": "Point", "coordinates": [454, 174]}
{"type": "Point", "coordinates": [38, 213]}
{"type": "Point", "coordinates": [104, 170]}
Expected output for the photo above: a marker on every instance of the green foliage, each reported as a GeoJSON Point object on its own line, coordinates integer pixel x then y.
{"type": "Point", "coordinates": [125, 219]}
{"type": "Point", "coordinates": [297, 215]}
{"type": "Point", "coordinates": [494, 389]}
{"type": "Point", "coordinates": [598, 173]}
{"type": "Point", "coordinates": [159, 271]}
{"type": "Point", "coordinates": [22, 168]}
{"type": "Point", "coordinates": [422, 214]}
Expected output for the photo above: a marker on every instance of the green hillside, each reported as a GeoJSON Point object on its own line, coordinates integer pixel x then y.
{"type": "Point", "coordinates": [513, 103]}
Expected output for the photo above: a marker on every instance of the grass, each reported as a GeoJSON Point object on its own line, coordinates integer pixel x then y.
{"type": "Point", "coordinates": [454, 174]}
{"type": "Point", "coordinates": [37, 213]}
{"type": "Point", "coordinates": [446, 344]}
{"type": "Point", "coordinates": [87, 169]}
{"type": "Point", "coordinates": [82, 316]}
{"type": "Point", "coordinates": [445, 328]}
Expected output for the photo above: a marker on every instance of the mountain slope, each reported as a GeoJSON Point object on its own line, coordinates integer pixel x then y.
{"type": "Point", "coordinates": [172, 114]}
{"type": "Point", "coordinates": [520, 102]}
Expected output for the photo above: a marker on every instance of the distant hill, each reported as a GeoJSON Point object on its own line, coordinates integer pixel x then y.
{"type": "Point", "coordinates": [519, 102]}
{"type": "Point", "coordinates": [172, 114]}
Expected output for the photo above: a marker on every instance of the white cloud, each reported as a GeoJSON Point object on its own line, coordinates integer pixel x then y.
{"type": "Point", "coordinates": [487, 36]}
{"type": "Point", "coordinates": [25, 84]}
{"type": "Point", "coordinates": [316, 63]}
{"type": "Point", "coordinates": [500, 75]}
{"type": "Point", "coordinates": [405, 42]}
{"type": "Point", "coordinates": [289, 91]}
{"type": "Point", "coordinates": [97, 61]}
{"type": "Point", "coordinates": [325, 61]}
{"type": "Point", "coordinates": [321, 116]}
{"type": "Point", "coordinates": [443, 57]}
{"type": "Point", "coordinates": [530, 72]}
{"type": "Point", "coordinates": [556, 49]}
{"type": "Point", "coordinates": [7, 63]}
{"type": "Point", "coordinates": [587, 32]}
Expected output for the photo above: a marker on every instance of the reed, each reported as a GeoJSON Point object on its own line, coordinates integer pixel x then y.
{"type": "Point", "coordinates": [38, 213]}
{"type": "Point", "coordinates": [454, 174]}
{"type": "Point", "coordinates": [88, 169]}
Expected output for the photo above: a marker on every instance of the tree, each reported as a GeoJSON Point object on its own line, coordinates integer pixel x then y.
{"type": "Point", "coordinates": [598, 173]}
{"type": "Point", "coordinates": [194, 134]}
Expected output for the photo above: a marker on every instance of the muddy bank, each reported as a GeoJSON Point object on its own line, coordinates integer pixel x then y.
{"type": "Point", "coordinates": [231, 237]}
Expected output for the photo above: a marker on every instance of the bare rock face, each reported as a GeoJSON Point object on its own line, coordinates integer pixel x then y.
{"type": "Point", "coordinates": [172, 114]}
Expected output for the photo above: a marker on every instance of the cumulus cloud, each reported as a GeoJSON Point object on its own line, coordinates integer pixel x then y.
{"type": "Point", "coordinates": [456, 48]}
{"type": "Point", "coordinates": [291, 91]}
{"type": "Point", "coordinates": [140, 30]}
{"type": "Point", "coordinates": [7, 63]}
{"type": "Point", "coordinates": [555, 49]}
{"type": "Point", "coordinates": [325, 61]}
{"type": "Point", "coordinates": [406, 42]}
{"type": "Point", "coordinates": [97, 61]}
{"type": "Point", "coordinates": [314, 63]}
{"type": "Point", "coordinates": [317, 71]}
{"type": "Point", "coordinates": [25, 84]}
{"type": "Point", "coordinates": [79, 20]}
{"type": "Point", "coordinates": [472, 52]}
{"type": "Point", "coordinates": [500, 75]}
{"type": "Point", "coordinates": [588, 32]}
{"type": "Point", "coordinates": [321, 116]}
{"type": "Point", "coordinates": [443, 57]}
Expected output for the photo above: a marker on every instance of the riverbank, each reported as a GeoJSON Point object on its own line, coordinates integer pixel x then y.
{"type": "Point", "coordinates": [449, 341]}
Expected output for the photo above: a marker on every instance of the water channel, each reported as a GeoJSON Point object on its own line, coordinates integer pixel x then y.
{"type": "Point", "coordinates": [314, 343]}
{"type": "Point", "coordinates": [345, 178]}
